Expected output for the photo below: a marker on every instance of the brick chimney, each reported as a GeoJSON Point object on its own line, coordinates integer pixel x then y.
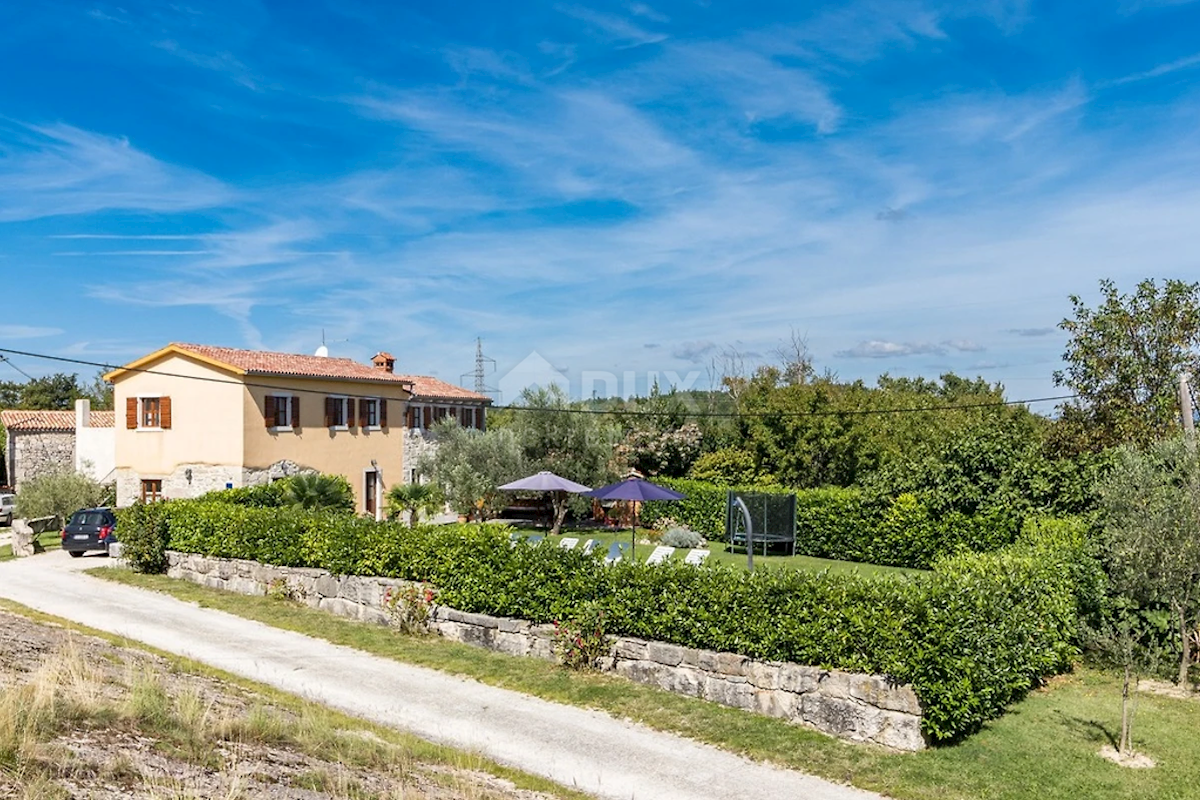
{"type": "Point", "coordinates": [385, 362]}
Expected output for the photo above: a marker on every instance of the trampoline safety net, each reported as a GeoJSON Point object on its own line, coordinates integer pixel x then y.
{"type": "Point", "coordinates": [772, 518]}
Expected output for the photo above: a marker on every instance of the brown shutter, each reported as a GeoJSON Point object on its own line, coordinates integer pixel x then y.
{"type": "Point", "coordinates": [269, 411]}
{"type": "Point", "coordinates": [349, 412]}
{"type": "Point", "coordinates": [164, 413]}
{"type": "Point", "coordinates": [295, 412]}
{"type": "Point", "coordinates": [479, 418]}
{"type": "Point", "coordinates": [383, 412]}
{"type": "Point", "coordinates": [410, 417]}
{"type": "Point", "coordinates": [362, 413]}
{"type": "Point", "coordinates": [131, 419]}
{"type": "Point", "coordinates": [329, 412]}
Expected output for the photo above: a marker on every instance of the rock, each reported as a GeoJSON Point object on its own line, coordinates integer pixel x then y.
{"type": "Point", "coordinates": [670, 655]}
{"type": "Point", "coordinates": [24, 540]}
{"type": "Point", "coordinates": [326, 586]}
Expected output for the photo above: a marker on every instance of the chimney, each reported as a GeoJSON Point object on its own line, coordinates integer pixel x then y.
{"type": "Point", "coordinates": [83, 413]}
{"type": "Point", "coordinates": [385, 362]}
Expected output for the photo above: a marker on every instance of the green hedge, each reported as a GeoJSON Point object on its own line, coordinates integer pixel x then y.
{"type": "Point", "coordinates": [849, 524]}
{"type": "Point", "coordinates": [971, 636]}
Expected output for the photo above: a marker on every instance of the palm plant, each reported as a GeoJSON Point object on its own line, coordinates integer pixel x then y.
{"type": "Point", "coordinates": [415, 499]}
{"type": "Point", "coordinates": [320, 492]}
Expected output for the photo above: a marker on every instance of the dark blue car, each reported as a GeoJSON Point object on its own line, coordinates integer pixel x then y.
{"type": "Point", "coordinates": [89, 529]}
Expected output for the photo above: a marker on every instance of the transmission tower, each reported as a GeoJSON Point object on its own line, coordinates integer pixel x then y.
{"type": "Point", "coordinates": [481, 371]}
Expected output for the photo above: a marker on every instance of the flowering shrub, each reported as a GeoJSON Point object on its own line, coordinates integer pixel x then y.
{"type": "Point", "coordinates": [408, 607]}
{"type": "Point", "coordinates": [581, 641]}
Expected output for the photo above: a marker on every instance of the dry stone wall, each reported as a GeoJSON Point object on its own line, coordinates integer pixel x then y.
{"type": "Point", "coordinates": [859, 708]}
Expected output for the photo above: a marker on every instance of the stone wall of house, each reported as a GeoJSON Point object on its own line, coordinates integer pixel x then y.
{"type": "Point", "coordinates": [417, 445]}
{"type": "Point", "coordinates": [33, 454]}
{"type": "Point", "coordinates": [192, 480]}
{"type": "Point", "coordinates": [860, 708]}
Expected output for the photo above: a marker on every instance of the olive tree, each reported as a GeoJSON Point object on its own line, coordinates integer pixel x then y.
{"type": "Point", "coordinates": [468, 465]}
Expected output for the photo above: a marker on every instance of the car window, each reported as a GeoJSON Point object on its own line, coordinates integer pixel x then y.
{"type": "Point", "coordinates": [90, 518]}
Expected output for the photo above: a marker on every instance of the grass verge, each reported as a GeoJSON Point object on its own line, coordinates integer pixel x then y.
{"type": "Point", "coordinates": [1045, 747]}
{"type": "Point", "coordinates": [191, 728]}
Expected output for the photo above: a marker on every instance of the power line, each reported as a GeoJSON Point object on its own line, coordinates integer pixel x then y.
{"type": "Point", "coordinates": [606, 412]}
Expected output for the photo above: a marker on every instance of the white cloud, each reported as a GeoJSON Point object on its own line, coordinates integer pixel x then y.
{"type": "Point", "coordinates": [876, 348]}
{"type": "Point", "coordinates": [27, 331]}
{"type": "Point", "coordinates": [693, 351]}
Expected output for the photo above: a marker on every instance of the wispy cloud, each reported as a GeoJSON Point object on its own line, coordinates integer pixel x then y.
{"type": "Point", "coordinates": [693, 351]}
{"type": "Point", "coordinates": [615, 28]}
{"type": "Point", "coordinates": [1187, 62]}
{"type": "Point", "coordinates": [27, 332]}
{"type": "Point", "coordinates": [1031, 332]}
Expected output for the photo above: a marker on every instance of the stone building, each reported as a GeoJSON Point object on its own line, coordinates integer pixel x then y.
{"type": "Point", "coordinates": [434, 400]}
{"type": "Point", "coordinates": [41, 442]}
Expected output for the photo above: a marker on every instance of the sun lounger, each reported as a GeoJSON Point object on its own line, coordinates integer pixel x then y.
{"type": "Point", "coordinates": [616, 552]}
{"type": "Point", "coordinates": [660, 554]}
{"type": "Point", "coordinates": [696, 557]}
{"type": "Point", "coordinates": [568, 543]}
{"type": "Point", "coordinates": [590, 545]}
{"type": "Point", "coordinates": [513, 538]}
{"type": "Point", "coordinates": [535, 540]}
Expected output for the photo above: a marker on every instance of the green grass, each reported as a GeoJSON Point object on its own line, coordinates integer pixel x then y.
{"type": "Point", "coordinates": [51, 540]}
{"type": "Point", "coordinates": [1045, 747]}
{"type": "Point", "coordinates": [720, 553]}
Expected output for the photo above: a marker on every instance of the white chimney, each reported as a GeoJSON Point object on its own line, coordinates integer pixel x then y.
{"type": "Point", "coordinates": [83, 413]}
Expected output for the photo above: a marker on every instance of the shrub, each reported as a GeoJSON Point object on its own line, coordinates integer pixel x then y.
{"type": "Point", "coordinates": [581, 641]}
{"type": "Point", "coordinates": [143, 531]}
{"type": "Point", "coordinates": [971, 636]}
{"type": "Point", "coordinates": [264, 495]}
{"type": "Point", "coordinates": [319, 492]}
{"type": "Point", "coordinates": [59, 495]}
{"type": "Point", "coordinates": [682, 537]}
{"type": "Point", "coordinates": [408, 608]}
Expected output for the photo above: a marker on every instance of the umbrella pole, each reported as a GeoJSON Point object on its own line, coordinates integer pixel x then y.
{"type": "Point", "coordinates": [633, 532]}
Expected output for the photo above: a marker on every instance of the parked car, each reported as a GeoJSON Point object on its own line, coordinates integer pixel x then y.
{"type": "Point", "coordinates": [8, 504]}
{"type": "Point", "coordinates": [89, 529]}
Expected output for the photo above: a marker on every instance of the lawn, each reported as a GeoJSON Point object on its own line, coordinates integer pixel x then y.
{"type": "Point", "coordinates": [1044, 747]}
{"type": "Point", "coordinates": [50, 540]}
{"type": "Point", "coordinates": [721, 554]}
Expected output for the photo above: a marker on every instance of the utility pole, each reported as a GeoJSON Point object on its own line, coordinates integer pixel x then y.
{"type": "Point", "coordinates": [481, 371]}
{"type": "Point", "coordinates": [1186, 408]}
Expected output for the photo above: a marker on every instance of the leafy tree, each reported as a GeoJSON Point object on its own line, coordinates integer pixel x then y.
{"type": "Point", "coordinates": [414, 499]}
{"type": "Point", "coordinates": [1151, 505]}
{"type": "Point", "coordinates": [468, 465]}
{"type": "Point", "coordinates": [1124, 359]}
{"type": "Point", "coordinates": [576, 446]}
{"type": "Point", "coordinates": [60, 494]}
{"type": "Point", "coordinates": [728, 466]}
{"type": "Point", "coordinates": [319, 492]}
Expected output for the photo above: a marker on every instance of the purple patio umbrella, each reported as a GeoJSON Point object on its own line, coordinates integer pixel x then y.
{"type": "Point", "coordinates": [638, 490]}
{"type": "Point", "coordinates": [558, 486]}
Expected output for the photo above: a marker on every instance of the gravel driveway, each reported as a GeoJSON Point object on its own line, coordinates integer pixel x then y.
{"type": "Point", "coordinates": [586, 749]}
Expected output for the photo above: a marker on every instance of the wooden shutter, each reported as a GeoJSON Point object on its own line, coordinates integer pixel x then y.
{"type": "Point", "coordinates": [329, 401]}
{"type": "Point", "coordinates": [349, 412]}
{"type": "Point", "coordinates": [383, 413]}
{"type": "Point", "coordinates": [164, 413]}
{"type": "Point", "coordinates": [131, 419]}
{"type": "Point", "coordinates": [295, 412]}
{"type": "Point", "coordinates": [479, 418]}
{"type": "Point", "coordinates": [362, 412]}
{"type": "Point", "coordinates": [269, 411]}
{"type": "Point", "coordinates": [410, 417]}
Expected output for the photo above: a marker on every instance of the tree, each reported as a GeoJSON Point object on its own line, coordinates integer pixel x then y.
{"type": "Point", "coordinates": [414, 499]}
{"type": "Point", "coordinates": [320, 492]}
{"type": "Point", "coordinates": [1124, 359]}
{"type": "Point", "coordinates": [60, 495]}
{"type": "Point", "coordinates": [555, 437]}
{"type": "Point", "coordinates": [468, 465]}
{"type": "Point", "coordinates": [1151, 505]}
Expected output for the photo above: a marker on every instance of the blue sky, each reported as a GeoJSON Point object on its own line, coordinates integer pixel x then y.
{"type": "Point", "coordinates": [916, 187]}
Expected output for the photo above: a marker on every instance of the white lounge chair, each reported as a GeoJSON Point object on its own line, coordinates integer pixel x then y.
{"type": "Point", "coordinates": [590, 545]}
{"type": "Point", "coordinates": [568, 543]}
{"type": "Point", "coordinates": [660, 554]}
{"type": "Point", "coordinates": [696, 557]}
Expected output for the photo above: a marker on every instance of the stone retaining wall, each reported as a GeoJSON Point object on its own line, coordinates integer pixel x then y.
{"type": "Point", "coordinates": [859, 708]}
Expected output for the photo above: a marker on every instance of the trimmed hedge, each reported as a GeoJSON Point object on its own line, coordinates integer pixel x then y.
{"type": "Point", "coordinates": [972, 636]}
{"type": "Point", "coordinates": [849, 524]}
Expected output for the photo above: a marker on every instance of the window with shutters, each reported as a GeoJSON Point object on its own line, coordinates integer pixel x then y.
{"type": "Point", "coordinates": [151, 490]}
{"type": "Point", "coordinates": [148, 413]}
{"type": "Point", "coordinates": [337, 414]}
{"type": "Point", "coordinates": [281, 412]}
{"type": "Point", "coordinates": [368, 412]}
{"type": "Point", "coordinates": [468, 418]}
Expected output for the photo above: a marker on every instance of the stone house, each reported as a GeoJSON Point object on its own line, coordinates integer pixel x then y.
{"type": "Point", "coordinates": [41, 442]}
{"type": "Point", "coordinates": [194, 418]}
{"type": "Point", "coordinates": [432, 401]}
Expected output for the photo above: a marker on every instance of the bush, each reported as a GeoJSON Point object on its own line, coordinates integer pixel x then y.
{"type": "Point", "coordinates": [143, 533]}
{"type": "Point", "coordinates": [59, 495]}
{"type": "Point", "coordinates": [971, 636]}
{"type": "Point", "coordinates": [682, 537]}
{"type": "Point", "coordinates": [264, 495]}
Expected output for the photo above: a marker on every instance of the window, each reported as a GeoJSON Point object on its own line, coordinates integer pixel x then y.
{"type": "Point", "coordinates": [468, 418]}
{"type": "Point", "coordinates": [151, 490]}
{"type": "Point", "coordinates": [372, 413]}
{"type": "Point", "coordinates": [148, 413]}
{"type": "Point", "coordinates": [339, 412]}
{"type": "Point", "coordinates": [281, 412]}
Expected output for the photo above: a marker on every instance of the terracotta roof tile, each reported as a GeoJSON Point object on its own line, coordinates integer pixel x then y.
{"type": "Point", "coordinates": [427, 388]}
{"type": "Point", "coordinates": [19, 420]}
{"type": "Point", "coordinates": [259, 362]}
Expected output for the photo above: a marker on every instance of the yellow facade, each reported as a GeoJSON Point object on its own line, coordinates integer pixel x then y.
{"type": "Point", "coordinates": [218, 435]}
